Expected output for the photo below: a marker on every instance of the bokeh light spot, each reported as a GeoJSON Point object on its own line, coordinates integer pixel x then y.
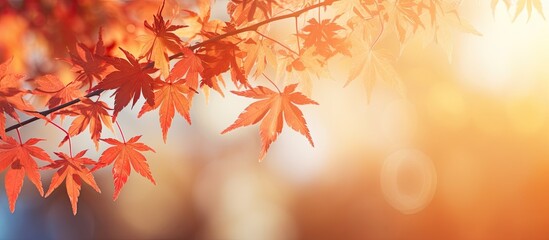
{"type": "Point", "coordinates": [417, 170]}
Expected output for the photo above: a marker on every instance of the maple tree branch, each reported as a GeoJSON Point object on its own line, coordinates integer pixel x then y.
{"type": "Point", "coordinates": [51, 110]}
{"type": "Point", "coordinates": [253, 27]}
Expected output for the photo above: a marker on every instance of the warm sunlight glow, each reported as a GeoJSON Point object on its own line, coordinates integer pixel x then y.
{"type": "Point", "coordinates": [274, 119]}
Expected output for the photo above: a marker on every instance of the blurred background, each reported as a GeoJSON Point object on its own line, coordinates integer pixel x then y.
{"type": "Point", "coordinates": [464, 154]}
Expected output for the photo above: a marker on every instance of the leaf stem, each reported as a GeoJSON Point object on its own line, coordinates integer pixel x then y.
{"type": "Point", "coordinates": [277, 89]}
{"type": "Point", "coordinates": [19, 136]}
{"type": "Point", "coordinates": [297, 36]}
{"type": "Point", "coordinates": [382, 27]}
{"type": "Point", "coordinates": [121, 133]}
{"type": "Point", "coordinates": [277, 42]}
{"type": "Point", "coordinates": [319, 13]}
{"type": "Point", "coordinates": [65, 131]}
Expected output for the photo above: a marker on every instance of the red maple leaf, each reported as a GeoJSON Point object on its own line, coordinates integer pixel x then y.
{"type": "Point", "coordinates": [218, 58]}
{"type": "Point", "coordinates": [122, 154]}
{"type": "Point", "coordinates": [131, 79]}
{"type": "Point", "coordinates": [72, 170]}
{"type": "Point", "coordinates": [20, 159]}
{"type": "Point", "coordinates": [169, 96]}
{"type": "Point", "coordinates": [88, 63]}
{"type": "Point", "coordinates": [271, 108]}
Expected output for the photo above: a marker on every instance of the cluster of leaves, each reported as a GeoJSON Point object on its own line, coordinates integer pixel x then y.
{"type": "Point", "coordinates": [170, 71]}
{"type": "Point", "coordinates": [520, 7]}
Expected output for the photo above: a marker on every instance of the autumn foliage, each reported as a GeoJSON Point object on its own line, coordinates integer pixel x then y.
{"type": "Point", "coordinates": [180, 50]}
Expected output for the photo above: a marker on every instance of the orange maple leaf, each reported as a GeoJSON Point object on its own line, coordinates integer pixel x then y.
{"type": "Point", "coordinates": [198, 21]}
{"type": "Point", "coordinates": [189, 67]}
{"type": "Point", "coordinates": [407, 15]}
{"type": "Point", "coordinates": [59, 93]}
{"type": "Point", "coordinates": [324, 35]}
{"type": "Point", "coordinates": [272, 106]}
{"type": "Point", "coordinates": [131, 79]}
{"type": "Point", "coordinates": [169, 96]}
{"type": "Point", "coordinates": [245, 11]}
{"type": "Point", "coordinates": [19, 158]}
{"type": "Point", "coordinates": [162, 39]}
{"type": "Point", "coordinates": [92, 114]}
{"type": "Point", "coordinates": [260, 52]}
{"type": "Point", "coordinates": [73, 170]}
{"type": "Point", "coordinates": [122, 154]}
{"type": "Point", "coordinates": [11, 96]}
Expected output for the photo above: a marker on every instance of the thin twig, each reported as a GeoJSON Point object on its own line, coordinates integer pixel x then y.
{"type": "Point", "coordinates": [297, 36]}
{"type": "Point", "coordinates": [54, 109]}
{"type": "Point", "coordinates": [278, 42]}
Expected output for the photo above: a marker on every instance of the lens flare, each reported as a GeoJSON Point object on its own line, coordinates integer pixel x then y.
{"type": "Point", "coordinates": [401, 171]}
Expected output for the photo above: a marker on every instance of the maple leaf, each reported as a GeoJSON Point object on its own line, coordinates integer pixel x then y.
{"type": "Point", "coordinates": [449, 21]}
{"type": "Point", "coordinates": [260, 52]}
{"type": "Point", "coordinates": [59, 93]}
{"type": "Point", "coordinates": [529, 3]}
{"type": "Point", "coordinates": [131, 79]}
{"type": "Point", "coordinates": [199, 22]}
{"type": "Point", "coordinates": [163, 39]}
{"type": "Point", "coordinates": [407, 15]}
{"type": "Point", "coordinates": [169, 96]}
{"type": "Point", "coordinates": [520, 5]}
{"type": "Point", "coordinates": [218, 58]}
{"type": "Point", "coordinates": [324, 36]}
{"type": "Point", "coordinates": [20, 160]}
{"type": "Point", "coordinates": [372, 64]}
{"type": "Point", "coordinates": [365, 9]}
{"type": "Point", "coordinates": [11, 96]}
{"type": "Point", "coordinates": [245, 11]}
{"type": "Point", "coordinates": [271, 108]}
{"type": "Point", "coordinates": [122, 154]}
{"type": "Point", "coordinates": [196, 21]}
{"type": "Point", "coordinates": [189, 67]}
{"type": "Point", "coordinates": [89, 113]}
{"type": "Point", "coordinates": [88, 63]}
{"type": "Point", "coordinates": [305, 67]}
{"type": "Point", "coordinates": [72, 170]}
